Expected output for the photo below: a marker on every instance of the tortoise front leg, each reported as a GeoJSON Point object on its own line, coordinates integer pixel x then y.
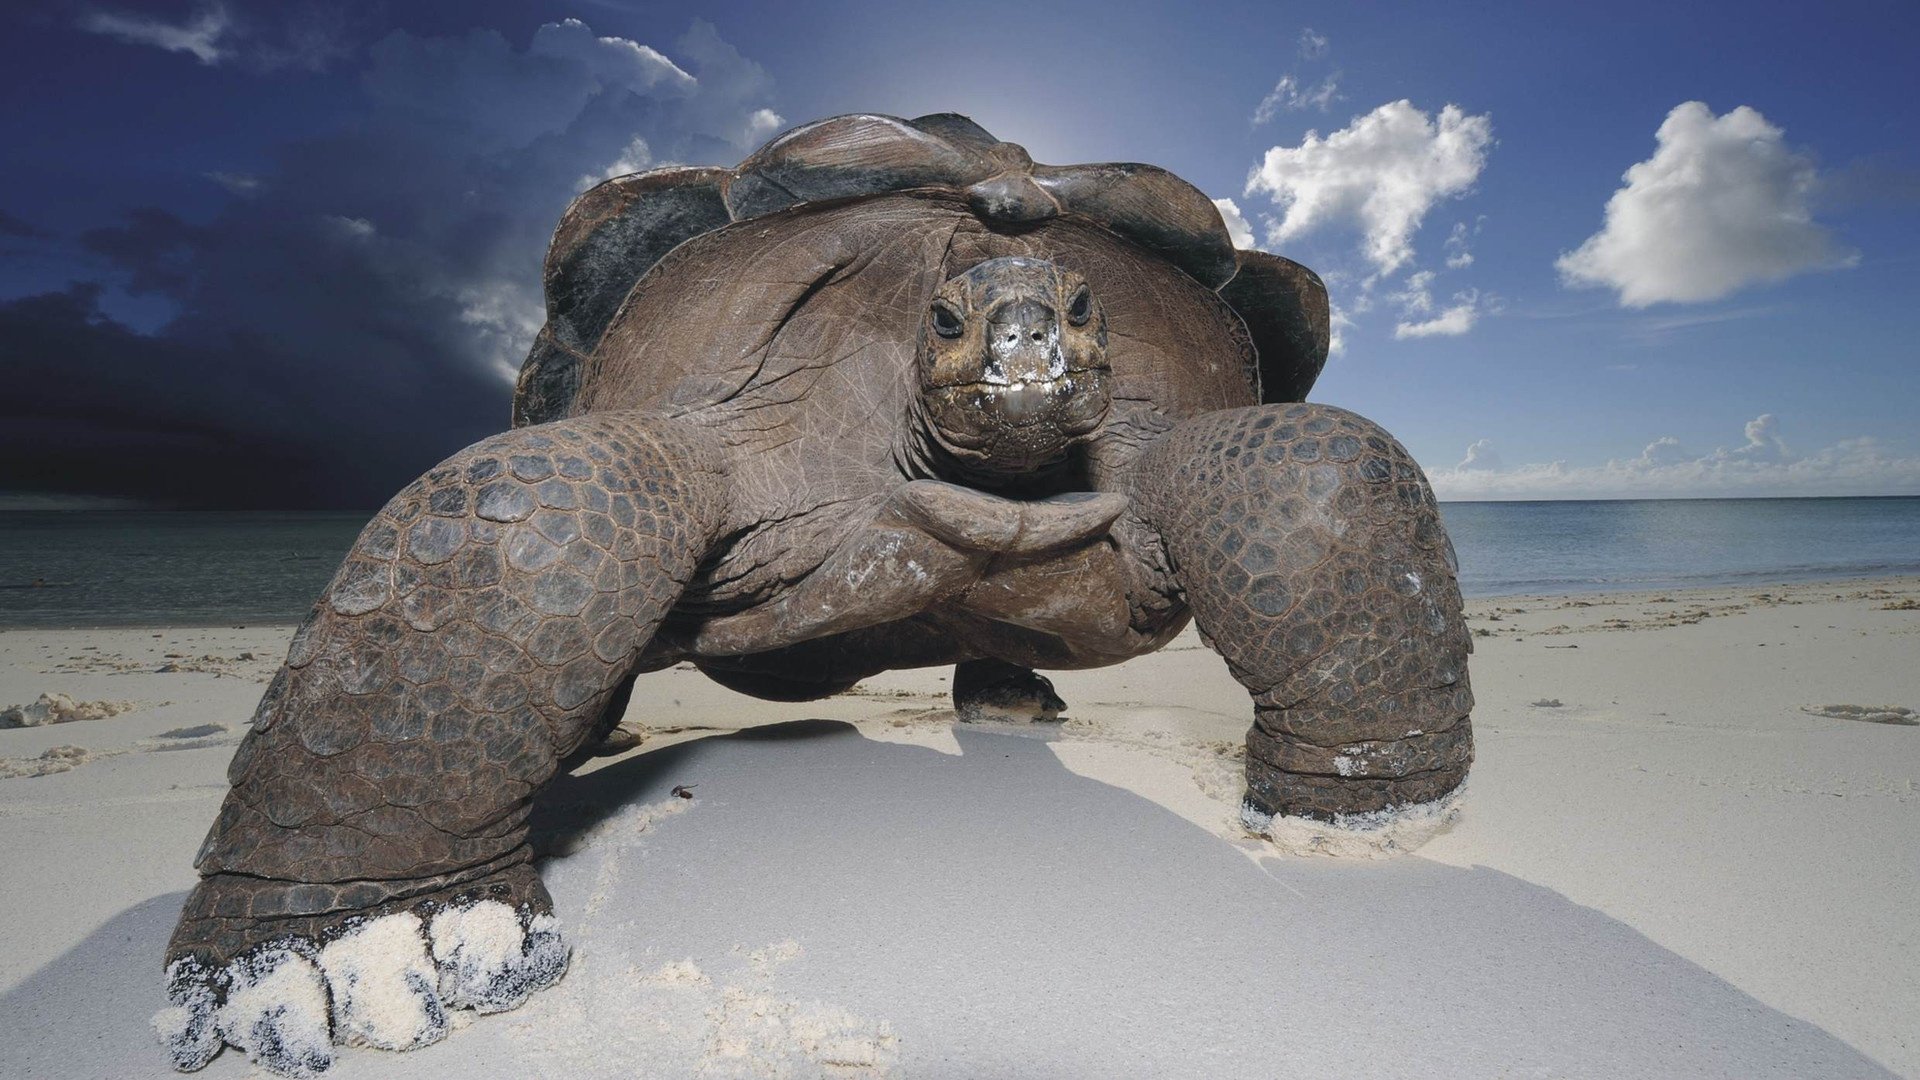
{"type": "Point", "coordinates": [373, 848]}
{"type": "Point", "coordinates": [1313, 557]}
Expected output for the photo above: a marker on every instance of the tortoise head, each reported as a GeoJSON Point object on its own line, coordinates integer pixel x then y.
{"type": "Point", "coordinates": [1013, 365]}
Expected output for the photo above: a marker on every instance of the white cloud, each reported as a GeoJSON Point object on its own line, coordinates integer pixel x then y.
{"type": "Point", "coordinates": [1415, 299]}
{"type": "Point", "coordinates": [199, 36]}
{"type": "Point", "coordinates": [1723, 203]}
{"type": "Point", "coordinates": [1290, 95]}
{"type": "Point", "coordinates": [1451, 321]}
{"type": "Point", "coordinates": [760, 124]}
{"type": "Point", "coordinates": [1763, 467]}
{"type": "Point", "coordinates": [1416, 296]}
{"type": "Point", "coordinates": [237, 183]}
{"type": "Point", "coordinates": [1763, 441]}
{"type": "Point", "coordinates": [1661, 452]}
{"type": "Point", "coordinates": [1459, 255]}
{"type": "Point", "coordinates": [502, 320]}
{"type": "Point", "coordinates": [1237, 226]}
{"type": "Point", "coordinates": [1480, 455]}
{"type": "Point", "coordinates": [299, 36]}
{"type": "Point", "coordinates": [1381, 173]}
{"type": "Point", "coordinates": [635, 157]}
{"type": "Point", "coordinates": [1338, 323]}
{"type": "Point", "coordinates": [614, 61]}
{"type": "Point", "coordinates": [352, 228]}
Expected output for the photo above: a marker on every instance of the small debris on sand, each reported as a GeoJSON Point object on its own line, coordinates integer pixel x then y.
{"type": "Point", "coordinates": [1548, 703]}
{"type": "Point", "coordinates": [57, 760]}
{"type": "Point", "coordinates": [61, 709]}
{"type": "Point", "coordinates": [619, 741]}
{"type": "Point", "coordinates": [1871, 714]}
{"type": "Point", "coordinates": [197, 731]}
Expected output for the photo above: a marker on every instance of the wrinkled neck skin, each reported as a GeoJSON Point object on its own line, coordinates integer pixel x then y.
{"type": "Point", "coordinates": [924, 452]}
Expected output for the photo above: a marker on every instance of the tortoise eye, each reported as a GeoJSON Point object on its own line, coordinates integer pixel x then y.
{"type": "Point", "coordinates": [946, 321]}
{"type": "Point", "coordinates": [1081, 307]}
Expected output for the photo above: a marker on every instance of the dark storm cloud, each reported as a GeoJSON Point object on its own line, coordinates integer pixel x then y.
{"type": "Point", "coordinates": [21, 230]}
{"type": "Point", "coordinates": [100, 409]}
{"type": "Point", "coordinates": [359, 314]}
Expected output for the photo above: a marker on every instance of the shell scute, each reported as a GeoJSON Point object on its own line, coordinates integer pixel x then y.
{"type": "Point", "coordinates": [847, 156]}
{"type": "Point", "coordinates": [1284, 306]}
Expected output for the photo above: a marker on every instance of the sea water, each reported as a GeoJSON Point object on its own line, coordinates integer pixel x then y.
{"type": "Point", "coordinates": [1554, 547]}
{"type": "Point", "coordinates": [139, 568]}
{"type": "Point", "coordinates": [142, 568]}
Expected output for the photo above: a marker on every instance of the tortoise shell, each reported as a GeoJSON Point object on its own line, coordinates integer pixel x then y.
{"type": "Point", "coordinates": [612, 235]}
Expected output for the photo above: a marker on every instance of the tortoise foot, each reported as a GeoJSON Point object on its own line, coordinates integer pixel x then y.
{"type": "Point", "coordinates": [383, 978]}
{"type": "Point", "coordinates": [1287, 775]}
{"type": "Point", "coordinates": [991, 691]}
{"type": "Point", "coordinates": [1384, 833]}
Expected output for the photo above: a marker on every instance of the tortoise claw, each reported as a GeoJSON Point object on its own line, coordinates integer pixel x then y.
{"type": "Point", "coordinates": [386, 982]}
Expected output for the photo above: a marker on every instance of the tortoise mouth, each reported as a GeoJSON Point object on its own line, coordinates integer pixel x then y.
{"type": "Point", "coordinates": [1057, 374]}
{"type": "Point", "coordinates": [1075, 402]}
{"type": "Point", "coordinates": [1067, 381]}
{"type": "Point", "coordinates": [1023, 403]}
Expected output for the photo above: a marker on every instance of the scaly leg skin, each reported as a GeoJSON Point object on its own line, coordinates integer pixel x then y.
{"type": "Point", "coordinates": [991, 690]}
{"type": "Point", "coordinates": [1313, 557]}
{"type": "Point", "coordinates": [369, 869]}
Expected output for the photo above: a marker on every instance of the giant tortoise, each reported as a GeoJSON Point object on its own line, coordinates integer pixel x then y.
{"type": "Point", "coordinates": [887, 395]}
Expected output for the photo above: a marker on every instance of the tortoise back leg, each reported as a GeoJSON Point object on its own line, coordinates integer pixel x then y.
{"type": "Point", "coordinates": [373, 846]}
{"type": "Point", "coordinates": [1312, 555]}
{"type": "Point", "coordinates": [989, 689]}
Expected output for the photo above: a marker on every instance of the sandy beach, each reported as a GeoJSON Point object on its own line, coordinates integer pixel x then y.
{"type": "Point", "coordinates": [1687, 849]}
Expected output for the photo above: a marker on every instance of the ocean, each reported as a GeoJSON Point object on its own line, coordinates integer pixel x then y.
{"type": "Point", "coordinates": [141, 568]}
{"type": "Point", "coordinates": [1507, 548]}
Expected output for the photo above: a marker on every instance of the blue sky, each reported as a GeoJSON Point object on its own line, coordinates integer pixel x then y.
{"type": "Point", "coordinates": [284, 254]}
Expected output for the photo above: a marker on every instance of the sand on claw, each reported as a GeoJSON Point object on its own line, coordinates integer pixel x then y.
{"type": "Point", "coordinates": [492, 957]}
{"type": "Point", "coordinates": [385, 987]}
{"type": "Point", "coordinates": [385, 983]}
{"type": "Point", "coordinates": [275, 1011]}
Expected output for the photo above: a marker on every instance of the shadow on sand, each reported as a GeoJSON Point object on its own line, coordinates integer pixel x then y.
{"type": "Point", "coordinates": [1005, 917]}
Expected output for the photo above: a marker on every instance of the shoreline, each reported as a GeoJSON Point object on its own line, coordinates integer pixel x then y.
{"type": "Point", "coordinates": [1645, 757]}
{"type": "Point", "coordinates": [1750, 580]}
{"type": "Point", "coordinates": [1614, 592]}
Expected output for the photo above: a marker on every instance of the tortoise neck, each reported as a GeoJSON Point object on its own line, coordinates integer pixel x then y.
{"type": "Point", "coordinates": [923, 453]}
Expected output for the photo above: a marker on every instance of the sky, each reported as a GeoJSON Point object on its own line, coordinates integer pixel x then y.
{"type": "Point", "coordinates": [288, 255]}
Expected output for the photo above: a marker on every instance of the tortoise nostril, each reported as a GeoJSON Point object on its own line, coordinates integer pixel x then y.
{"type": "Point", "coordinates": [1037, 335]}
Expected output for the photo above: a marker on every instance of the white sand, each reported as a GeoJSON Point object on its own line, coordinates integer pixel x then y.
{"type": "Point", "coordinates": [1699, 861]}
